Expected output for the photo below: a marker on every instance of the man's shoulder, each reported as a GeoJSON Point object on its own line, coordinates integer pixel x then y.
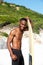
{"type": "Point", "coordinates": [14, 30]}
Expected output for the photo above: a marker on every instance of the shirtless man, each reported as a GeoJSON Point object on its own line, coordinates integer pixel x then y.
{"type": "Point", "coordinates": [15, 37]}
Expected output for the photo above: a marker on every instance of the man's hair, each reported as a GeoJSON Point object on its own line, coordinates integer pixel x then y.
{"type": "Point", "coordinates": [23, 19]}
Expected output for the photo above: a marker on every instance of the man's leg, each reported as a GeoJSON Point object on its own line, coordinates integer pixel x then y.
{"type": "Point", "coordinates": [21, 61]}
{"type": "Point", "coordinates": [16, 62]}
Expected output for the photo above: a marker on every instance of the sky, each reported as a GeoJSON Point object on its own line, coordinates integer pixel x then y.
{"type": "Point", "coordinates": [35, 5]}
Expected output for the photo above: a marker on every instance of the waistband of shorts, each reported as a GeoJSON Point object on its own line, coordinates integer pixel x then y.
{"type": "Point", "coordinates": [16, 50]}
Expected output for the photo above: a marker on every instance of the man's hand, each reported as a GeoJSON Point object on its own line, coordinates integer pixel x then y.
{"type": "Point", "coordinates": [28, 18]}
{"type": "Point", "coordinates": [14, 57]}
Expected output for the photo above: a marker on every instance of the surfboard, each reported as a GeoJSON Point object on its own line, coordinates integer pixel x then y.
{"type": "Point", "coordinates": [31, 43]}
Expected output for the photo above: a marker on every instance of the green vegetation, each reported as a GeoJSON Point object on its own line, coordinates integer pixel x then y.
{"type": "Point", "coordinates": [10, 13]}
{"type": "Point", "coordinates": [3, 34]}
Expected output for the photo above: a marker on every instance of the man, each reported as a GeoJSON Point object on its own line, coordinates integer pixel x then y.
{"type": "Point", "coordinates": [15, 37]}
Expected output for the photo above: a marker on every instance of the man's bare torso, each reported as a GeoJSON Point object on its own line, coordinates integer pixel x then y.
{"type": "Point", "coordinates": [16, 41]}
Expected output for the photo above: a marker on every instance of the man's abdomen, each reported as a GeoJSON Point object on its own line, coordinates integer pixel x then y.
{"type": "Point", "coordinates": [16, 45]}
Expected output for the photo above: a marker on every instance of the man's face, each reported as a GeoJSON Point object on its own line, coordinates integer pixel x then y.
{"type": "Point", "coordinates": [23, 25]}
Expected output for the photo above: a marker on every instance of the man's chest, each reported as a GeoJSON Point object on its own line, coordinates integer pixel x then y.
{"type": "Point", "coordinates": [19, 35]}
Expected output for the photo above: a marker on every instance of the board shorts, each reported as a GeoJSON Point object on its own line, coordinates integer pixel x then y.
{"type": "Point", "coordinates": [19, 60]}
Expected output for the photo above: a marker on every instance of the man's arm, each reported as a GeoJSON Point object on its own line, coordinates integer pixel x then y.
{"type": "Point", "coordinates": [9, 40]}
